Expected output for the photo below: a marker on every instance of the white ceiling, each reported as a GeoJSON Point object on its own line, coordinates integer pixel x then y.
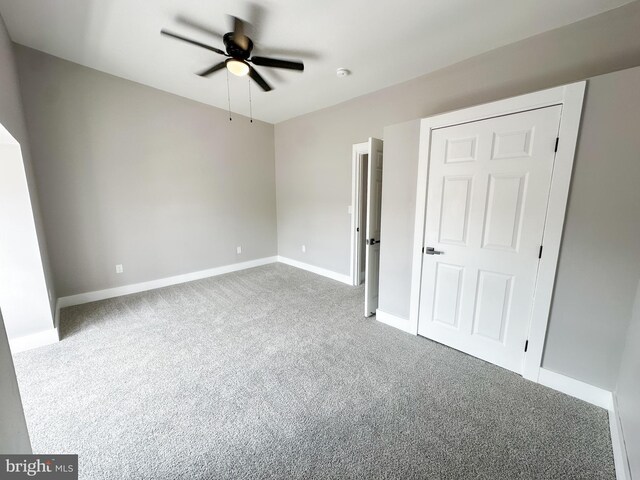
{"type": "Point", "coordinates": [382, 42]}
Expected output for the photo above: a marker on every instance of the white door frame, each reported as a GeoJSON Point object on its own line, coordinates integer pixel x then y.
{"type": "Point", "coordinates": [358, 150]}
{"type": "Point", "coordinates": [373, 226]}
{"type": "Point", "coordinates": [571, 98]}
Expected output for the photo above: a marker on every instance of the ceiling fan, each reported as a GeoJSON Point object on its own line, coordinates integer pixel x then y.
{"type": "Point", "coordinates": [238, 48]}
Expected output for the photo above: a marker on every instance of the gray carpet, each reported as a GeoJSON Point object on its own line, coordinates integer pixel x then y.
{"type": "Point", "coordinates": [274, 373]}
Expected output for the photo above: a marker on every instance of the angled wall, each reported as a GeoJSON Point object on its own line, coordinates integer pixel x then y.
{"type": "Point", "coordinates": [27, 292]}
{"type": "Point", "coordinates": [599, 263]}
{"type": "Point", "coordinates": [135, 176]}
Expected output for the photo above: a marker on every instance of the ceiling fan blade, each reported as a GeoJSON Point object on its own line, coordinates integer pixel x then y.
{"type": "Point", "coordinates": [213, 69]}
{"type": "Point", "coordinates": [238, 33]}
{"type": "Point", "coordinates": [193, 42]}
{"type": "Point", "coordinates": [277, 63]}
{"type": "Point", "coordinates": [198, 26]}
{"type": "Point", "coordinates": [256, 19]}
{"type": "Point", "coordinates": [256, 77]}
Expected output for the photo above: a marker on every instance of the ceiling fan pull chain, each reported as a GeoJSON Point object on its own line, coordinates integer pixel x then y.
{"type": "Point", "coordinates": [228, 96]}
{"type": "Point", "coordinates": [250, 107]}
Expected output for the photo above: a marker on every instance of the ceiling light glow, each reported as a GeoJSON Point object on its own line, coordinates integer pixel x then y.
{"type": "Point", "coordinates": [237, 67]}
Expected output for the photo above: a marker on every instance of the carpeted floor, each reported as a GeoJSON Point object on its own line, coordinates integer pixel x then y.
{"type": "Point", "coordinates": [274, 373]}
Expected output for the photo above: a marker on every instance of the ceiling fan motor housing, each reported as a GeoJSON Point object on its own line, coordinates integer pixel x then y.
{"type": "Point", "coordinates": [235, 50]}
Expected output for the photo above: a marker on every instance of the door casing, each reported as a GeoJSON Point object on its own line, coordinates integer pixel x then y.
{"type": "Point", "coordinates": [373, 227]}
{"type": "Point", "coordinates": [359, 150]}
{"type": "Point", "coordinates": [570, 97]}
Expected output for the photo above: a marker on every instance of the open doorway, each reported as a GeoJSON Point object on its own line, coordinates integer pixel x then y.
{"type": "Point", "coordinates": [366, 201]}
{"type": "Point", "coordinates": [359, 211]}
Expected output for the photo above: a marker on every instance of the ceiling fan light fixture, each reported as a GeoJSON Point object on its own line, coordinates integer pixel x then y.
{"type": "Point", "coordinates": [237, 67]}
{"type": "Point", "coordinates": [238, 56]}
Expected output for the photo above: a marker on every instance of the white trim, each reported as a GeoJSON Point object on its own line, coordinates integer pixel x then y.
{"type": "Point", "coordinates": [575, 388]}
{"type": "Point", "coordinates": [189, 277]}
{"type": "Point", "coordinates": [34, 340]}
{"type": "Point", "coordinates": [162, 282]}
{"type": "Point", "coordinates": [317, 270]}
{"type": "Point", "coordinates": [620, 458]}
{"type": "Point", "coordinates": [56, 316]}
{"type": "Point", "coordinates": [358, 150]}
{"type": "Point", "coordinates": [394, 321]}
{"type": "Point", "coordinates": [571, 98]}
{"type": "Point", "coordinates": [507, 106]}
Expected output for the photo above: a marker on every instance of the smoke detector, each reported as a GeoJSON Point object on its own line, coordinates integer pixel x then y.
{"type": "Point", "coordinates": [343, 72]}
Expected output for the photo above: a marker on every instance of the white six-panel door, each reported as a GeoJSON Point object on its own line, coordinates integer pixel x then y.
{"type": "Point", "coordinates": [487, 198]}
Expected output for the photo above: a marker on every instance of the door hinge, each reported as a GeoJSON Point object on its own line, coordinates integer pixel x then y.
{"type": "Point", "coordinates": [358, 229]}
{"type": "Point", "coordinates": [540, 252]}
{"type": "Point", "coordinates": [526, 345]}
{"type": "Point", "coordinates": [557, 141]}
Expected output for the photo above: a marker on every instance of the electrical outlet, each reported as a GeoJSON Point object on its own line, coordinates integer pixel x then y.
{"type": "Point", "coordinates": [238, 249]}
{"type": "Point", "coordinates": [304, 249]}
{"type": "Point", "coordinates": [119, 268]}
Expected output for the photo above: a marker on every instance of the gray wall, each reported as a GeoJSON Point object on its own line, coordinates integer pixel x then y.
{"type": "Point", "coordinates": [32, 318]}
{"type": "Point", "coordinates": [14, 437]}
{"type": "Point", "coordinates": [628, 390]}
{"type": "Point", "coordinates": [398, 216]}
{"type": "Point", "coordinates": [313, 164]}
{"type": "Point", "coordinates": [599, 262]}
{"type": "Point", "coordinates": [600, 256]}
{"type": "Point", "coordinates": [131, 175]}
{"type": "Point", "coordinates": [313, 152]}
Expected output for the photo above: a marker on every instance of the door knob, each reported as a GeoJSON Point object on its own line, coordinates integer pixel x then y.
{"type": "Point", "coordinates": [432, 251]}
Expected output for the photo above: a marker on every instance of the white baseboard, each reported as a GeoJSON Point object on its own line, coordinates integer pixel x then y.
{"type": "Point", "coordinates": [620, 459]}
{"type": "Point", "coordinates": [162, 282]}
{"type": "Point", "coordinates": [188, 277]}
{"type": "Point", "coordinates": [34, 340]}
{"type": "Point", "coordinates": [594, 395]}
{"type": "Point", "coordinates": [317, 270]}
{"type": "Point", "coordinates": [395, 321]}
